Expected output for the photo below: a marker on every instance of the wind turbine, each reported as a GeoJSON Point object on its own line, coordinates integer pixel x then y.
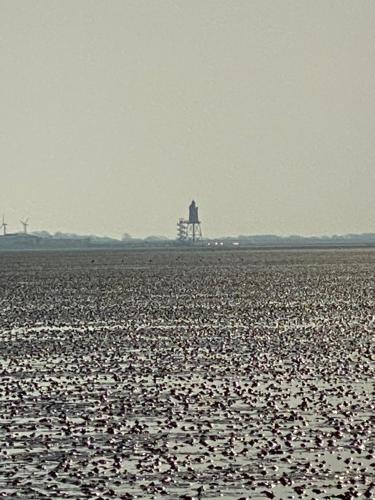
{"type": "Point", "coordinates": [4, 226]}
{"type": "Point", "coordinates": [25, 223]}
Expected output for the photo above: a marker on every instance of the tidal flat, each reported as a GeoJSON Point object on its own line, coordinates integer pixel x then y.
{"type": "Point", "coordinates": [187, 374]}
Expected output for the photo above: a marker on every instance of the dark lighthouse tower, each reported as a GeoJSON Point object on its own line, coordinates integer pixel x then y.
{"type": "Point", "coordinates": [190, 230]}
{"type": "Point", "coordinates": [194, 225]}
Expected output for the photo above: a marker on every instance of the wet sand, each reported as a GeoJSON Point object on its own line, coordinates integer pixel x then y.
{"type": "Point", "coordinates": [227, 374]}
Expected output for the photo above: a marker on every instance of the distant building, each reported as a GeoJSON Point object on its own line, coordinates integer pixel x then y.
{"type": "Point", "coordinates": [190, 230]}
{"type": "Point", "coordinates": [193, 213]}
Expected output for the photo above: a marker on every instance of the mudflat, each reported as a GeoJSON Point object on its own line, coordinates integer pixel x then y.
{"type": "Point", "coordinates": [187, 374]}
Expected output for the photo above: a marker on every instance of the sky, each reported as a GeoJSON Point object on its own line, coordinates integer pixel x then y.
{"type": "Point", "coordinates": [115, 114]}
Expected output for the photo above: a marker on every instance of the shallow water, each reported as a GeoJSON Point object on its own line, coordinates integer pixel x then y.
{"type": "Point", "coordinates": [208, 374]}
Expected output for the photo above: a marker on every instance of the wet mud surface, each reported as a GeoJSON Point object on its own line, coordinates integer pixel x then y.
{"type": "Point", "coordinates": [233, 374]}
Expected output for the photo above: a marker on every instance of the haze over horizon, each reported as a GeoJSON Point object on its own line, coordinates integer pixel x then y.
{"type": "Point", "coordinates": [115, 115]}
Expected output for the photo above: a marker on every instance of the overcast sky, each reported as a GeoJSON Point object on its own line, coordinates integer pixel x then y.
{"type": "Point", "coordinates": [114, 114]}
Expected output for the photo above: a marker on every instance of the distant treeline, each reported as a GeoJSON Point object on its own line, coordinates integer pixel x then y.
{"type": "Point", "coordinates": [126, 238]}
{"type": "Point", "coordinates": [297, 240]}
{"type": "Point", "coordinates": [45, 240]}
{"type": "Point", "coordinates": [258, 239]}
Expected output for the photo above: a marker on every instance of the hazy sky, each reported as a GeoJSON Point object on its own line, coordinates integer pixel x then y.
{"type": "Point", "coordinates": [115, 114]}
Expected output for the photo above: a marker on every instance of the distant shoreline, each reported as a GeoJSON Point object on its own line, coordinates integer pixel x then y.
{"type": "Point", "coordinates": [186, 248]}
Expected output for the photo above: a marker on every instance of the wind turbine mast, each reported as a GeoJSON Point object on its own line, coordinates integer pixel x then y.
{"type": "Point", "coordinates": [25, 223]}
{"type": "Point", "coordinates": [4, 226]}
